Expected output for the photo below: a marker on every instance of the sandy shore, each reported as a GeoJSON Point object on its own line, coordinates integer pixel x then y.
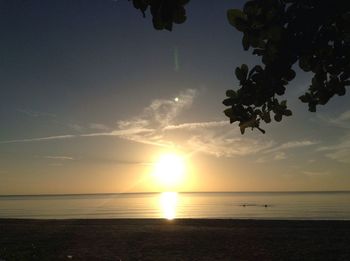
{"type": "Point", "coordinates": [141, 239]}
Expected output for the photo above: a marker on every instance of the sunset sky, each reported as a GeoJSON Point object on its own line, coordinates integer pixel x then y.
{"type": "Point", "coordinates": [92, 96]}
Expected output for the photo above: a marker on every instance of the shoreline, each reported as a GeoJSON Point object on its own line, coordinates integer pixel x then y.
{"type": "Point", "coordinates": [179, 239]}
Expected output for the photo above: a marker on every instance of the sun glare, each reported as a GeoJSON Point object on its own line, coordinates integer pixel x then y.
{"type": "Point", "coordinates": [169, 169]}
{"type": "Point", "coordinates": [168, 203]}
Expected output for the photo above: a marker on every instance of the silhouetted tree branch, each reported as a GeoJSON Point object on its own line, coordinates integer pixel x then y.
{"type": "Point", "coordinates": [164, 12]}
{"type": "Point", "coordinates": [315, 34]}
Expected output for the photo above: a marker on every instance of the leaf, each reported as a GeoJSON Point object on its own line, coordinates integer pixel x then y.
{"type": "Point", "coordinates": [228, 102]}
{"type": "Point", "coordinates": [251, 8]}
{"type": "Point", "coordinates": [252, 123]}
{"type": "Point", "coordinates": [244, 69]}
{"type": "Point", "coordinates": [231, 93]}
{"type": "Point", "coordinates": [312, 107]}
{"type": "Point", "coordinates": [228, 112]}
{"type": "Point", "coordinates": [233, 119]}
{"type": "Point", "coordinates": [278, 117]}
{"type": "Point", "coordinates": [158, 24]}
{"type": "Point", "coordinates": [242, 72]}
{"type": "Point", "coordinates": [275, 33]}
{"type": "Point", "coordinates": [305, 98]}
{"type": "Point", "coordinates": [266, 117]}
{"type": "Point", "coordinates": [287, 113]}
{"type": "Point", "coordinates": [341, 90]}
{"type": "Point", "coordinates": [235, 18]}
{"type": "Point", "coordinates": [280, 90]}
{"type": "Point", "coordinates": [290, 75]}
{"type": "Point", "coordinates": [168, 26]}
{"type": "Point", "coordinates": [242, 130]}
{"type": "Point", "coordinates": [305, 63]}
{"type": "Point", "coordinates": [245, 42]}
{"type": "Point", "coordinates": [238, 73]}
{"type": "Point", "coordinates": [259, 52]}
{"type": "Point", "coordinates": [254, 40]}
{"type": "Point", "coordinates": [183, 2]}
{"type": "Point", "coordinates": [179, 15]}
{"type": "Point", "coordinates": [141, 5]}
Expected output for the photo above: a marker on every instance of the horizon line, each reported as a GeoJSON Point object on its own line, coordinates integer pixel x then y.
{"type": "Point", "coordinates": [158, 192]}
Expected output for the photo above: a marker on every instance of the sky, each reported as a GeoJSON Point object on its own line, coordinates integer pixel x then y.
{"type": "Point", "coordinates": [92, 95]}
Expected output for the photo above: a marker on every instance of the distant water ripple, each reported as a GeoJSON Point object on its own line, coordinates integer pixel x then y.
{"type": "Point", "coordinates": [170, 205]}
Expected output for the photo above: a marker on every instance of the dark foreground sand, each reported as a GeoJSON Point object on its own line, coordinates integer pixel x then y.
{"type": "Point", "coordinates": [144, 239]}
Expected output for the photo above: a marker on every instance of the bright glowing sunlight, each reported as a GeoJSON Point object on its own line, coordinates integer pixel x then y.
{"type": "Point", "coordinates": [168, 204]}
{"type": "Point", "coordinates": [169, 170]}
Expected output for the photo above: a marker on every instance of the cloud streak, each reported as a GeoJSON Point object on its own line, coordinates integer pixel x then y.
{"type": "Point", "coordinates": [220, 146]}
{"type": "Point", "coordinates": [197, 125]}
{"type": "Point", "coordinates": [35, 114]}
{"type": "Point", "coordinates": [339, 151]}
{"type": "Point", "coordinates": [316, 173]}
{"type": "Point", "coordinates": [342, 121]}
{"type": "Point", "coordinates": [57, 137]}
{"type": "Point", "coordinates": [59, 158]}
{"type": "Point", "coordinates": [292, 145]}
{"type": "Point", "coordinates": [157, 125]}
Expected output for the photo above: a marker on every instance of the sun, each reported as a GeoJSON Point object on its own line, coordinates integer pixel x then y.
{"type": "Point", "coordinates": [169, 169]}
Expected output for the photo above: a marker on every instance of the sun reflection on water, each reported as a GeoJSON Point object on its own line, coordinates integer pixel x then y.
{"type": "Point", "coordinates": [168, 203]}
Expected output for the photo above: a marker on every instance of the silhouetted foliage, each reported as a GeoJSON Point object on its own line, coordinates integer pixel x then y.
{"type": "Point", "coordinates": [164, 12]}
{"type": "Point", "coordinates": [315, 34]}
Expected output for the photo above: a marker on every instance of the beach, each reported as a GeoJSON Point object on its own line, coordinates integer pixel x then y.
{"type": "Point", "coordinates": [180, 239]}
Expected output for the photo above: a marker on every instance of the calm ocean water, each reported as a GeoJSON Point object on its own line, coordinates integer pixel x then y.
{"type": "Point", "coordinates": [170, 205]}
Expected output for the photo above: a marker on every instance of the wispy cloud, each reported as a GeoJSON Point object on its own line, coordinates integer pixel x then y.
{"type": "Point", "coordinates": [98, 126]}
{"type": "Point", "coordinates": [59, 157]}
{"type": "Point", "coordinates": [158, 125]}
{"type": "Point", "coordinates": [32, 113]}
{"type": "Point", "coordinates": [292, 145]}
{"type": "Point", "coordinates": [343, 143]}
{"type": "Point", "coordinates": [149, 126]}
{"type": "Point", "coordinates": [316, 173]}
{"type": "Point", "coordinates": [280, 156]}
{"type": "Point", "coordinates": [71, 125]}
{"type": "Point", "coordinates": [345, 116]}
{"type": "Point", "coordinates": [57, 137]}
{"type": "Point", "coordinates": [145, 128]}
{"type": "Point", "coordinates": [196, 125]}
{"type": "Point", "coordinates": [276, 155]}
{"type": "Point", "coordinates": [339, 151]}
{"type": "Point", "coordinates": [228, 147]}
{"type": "Point", "coordinates": [277, 152]}
{"type": "Point", "coordinates": [341, 155]}
{"type": "Point", "coordinates": [130, 162]}
{"type": "Point", "coordinates": [161, 112]}
{"type": "Point", "coordinates": [76, 127]}
{"type": "Point", "coordinates": [120, 133]}
{"type": "Point", "coordinates": [342, 121]}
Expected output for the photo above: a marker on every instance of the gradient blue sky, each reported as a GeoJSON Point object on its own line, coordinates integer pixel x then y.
{"type": "Point", "coordinates": [87, 105]}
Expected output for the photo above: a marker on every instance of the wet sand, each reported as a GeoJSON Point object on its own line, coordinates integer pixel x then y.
{"type": "Point", "coordinates": [187, 239]}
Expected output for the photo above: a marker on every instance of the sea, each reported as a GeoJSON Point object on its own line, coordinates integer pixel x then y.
{"type": "Point", "coordinates": [175, 205]}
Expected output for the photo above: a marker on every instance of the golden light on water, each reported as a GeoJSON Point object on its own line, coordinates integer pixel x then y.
{"type": "Point", "coordinates": [168, 204]}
